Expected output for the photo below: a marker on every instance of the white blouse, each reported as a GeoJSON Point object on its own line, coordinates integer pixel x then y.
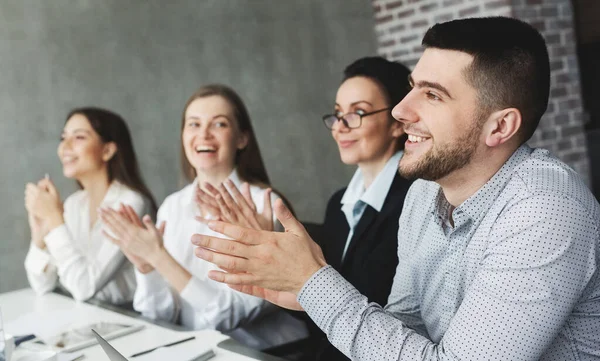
{"type": "Point", "coordinates": [204, 303]}
{"type": "Point", "coordinates": [83, 260]}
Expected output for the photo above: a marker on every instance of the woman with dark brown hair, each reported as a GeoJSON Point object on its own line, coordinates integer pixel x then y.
{"type": "Point", "coordinates": [68, 244]}
{"type": "Point", "coordinates": [218, 147]}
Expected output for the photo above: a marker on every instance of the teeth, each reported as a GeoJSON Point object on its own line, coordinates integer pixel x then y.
{"type": "Point", "coordinates": [415, 139]}
{"type": "Point", "coordinates": [68, 159]}
{"type": "Point", "coordinates": [205, 148]}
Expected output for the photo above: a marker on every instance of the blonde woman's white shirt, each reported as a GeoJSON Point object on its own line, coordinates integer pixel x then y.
{"type": "Point", "coordinates": [204, 303]}
{"type": "Point", "coordinates": [82, 259]}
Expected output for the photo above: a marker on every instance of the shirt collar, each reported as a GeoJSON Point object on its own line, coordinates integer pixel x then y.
{"type": "Point", "coordinates": [188, 196]}
{"type": "Point", "coordinates": [376, 193]}
{"type": "Point", "coordinates": [113, 194]}
{"type": "Point", "coordinates": [482, 200]}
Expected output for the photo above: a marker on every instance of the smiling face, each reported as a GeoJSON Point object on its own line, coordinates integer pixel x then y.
{"type": "Point", "coordinates": [81, 151]}
{"type": "Point", "coordinates": [210, 136]}
{"type": "Point", "coordinates": [441, 116]}
{"type": "Point", "coordinates": [376, 139]}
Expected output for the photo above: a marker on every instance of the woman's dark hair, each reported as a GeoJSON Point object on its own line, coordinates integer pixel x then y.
{"type": "Point", "coordinates": [391, 76]}
{"type": "Point", "coordinates": [248, 161]}
{"type": "Point", "coordinates": [123, 166]}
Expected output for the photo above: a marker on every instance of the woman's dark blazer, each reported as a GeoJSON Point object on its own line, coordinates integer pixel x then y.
{"type": "Point", "coordinates": [371, 258]}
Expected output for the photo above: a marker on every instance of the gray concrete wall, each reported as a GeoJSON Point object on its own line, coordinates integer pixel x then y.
{"type": "Point", "coordinates": [143, 59]}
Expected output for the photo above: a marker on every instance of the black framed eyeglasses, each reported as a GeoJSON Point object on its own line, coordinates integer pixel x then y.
{"type": "Point", "coordinates": [351, 120]}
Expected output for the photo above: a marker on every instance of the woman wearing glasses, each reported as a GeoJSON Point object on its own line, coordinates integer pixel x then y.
{"type": "Point", "coordinates": [359, 235]}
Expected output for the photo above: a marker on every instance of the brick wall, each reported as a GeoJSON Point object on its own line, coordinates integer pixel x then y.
{"type": "Point", "coordinates": [401, 24]}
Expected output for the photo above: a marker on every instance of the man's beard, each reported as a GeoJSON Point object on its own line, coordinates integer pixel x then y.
{"type": "Point", "coordinates": [442, 160]}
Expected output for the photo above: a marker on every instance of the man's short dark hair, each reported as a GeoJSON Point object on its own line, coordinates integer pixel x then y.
{"type": "Point", "coordinates": [390, 75]}
{"type": "Point", "coordinates": [510, 68]}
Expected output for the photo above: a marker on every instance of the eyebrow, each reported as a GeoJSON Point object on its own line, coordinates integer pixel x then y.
{"type": "Point", "coordinates": [213, 118]}
{"type": "Point", "coordinates": [356, 103]}
{"type": "Point", "coordinates": [78, 130]}
{"type": "Point", "coordinates": [429, 84]}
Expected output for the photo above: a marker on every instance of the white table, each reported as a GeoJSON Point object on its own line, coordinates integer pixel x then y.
{"type": "Point", "coordinates": [17, 303]}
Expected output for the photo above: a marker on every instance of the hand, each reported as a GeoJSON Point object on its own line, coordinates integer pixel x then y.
{"type": "Point", "coordinates": [141, 242]}
{"type": "Point", "coordinates": [129, 213]}
{"type": "Point", "coordinates": [278, 261]}
{"type": "Point", "coordinates": [238, 208]}
{"type": "Point", "coordinates": [38, 230]}
{"type": "Point", "coordinates": [207, 204]}
{"type": "Point", "coordinates": [43, 201]}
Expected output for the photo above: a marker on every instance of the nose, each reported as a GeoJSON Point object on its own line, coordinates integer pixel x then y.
{"type": "Point", "coordinates": [404, 112]}
{"type": "Point", "coordinates": [340, 126]}
{"type": "Point", "coordinates": [205, 131]}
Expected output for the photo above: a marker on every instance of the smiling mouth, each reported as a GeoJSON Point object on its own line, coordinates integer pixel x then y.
{"type": "Point", "coordinates": [417, 139]}
{"type": "Point", "coordinates": [205, 149]}
{"type": "Point", "coordinates": [68, 159]}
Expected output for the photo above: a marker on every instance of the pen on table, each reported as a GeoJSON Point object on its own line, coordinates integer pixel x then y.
{"type": "Point", "coordinates": [167, 345]}
{"type": "Point", "coordinates": [20, 339]}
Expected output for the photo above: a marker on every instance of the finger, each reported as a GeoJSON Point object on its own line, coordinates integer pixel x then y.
{"type": "Point", "coordinates": [240, 200]}
{"type": "Point", "coordinates": [149, 224]}
{"type": "Point", "coordinates": [50, 187]}
{"type": "Point", "coordinates": [287, 219]}
{"type": "Point", "coordinates": [225, 211]}
{"type": "Point", "coordinates": [211, 189]}
{"type": "Point", "coordinates": [207, 202]}
{"type": "Point", "coordinates": [224, 246]}
{"type": "Point", "coordinates": [114, 221]}
{"type": "Point", "coordinates": [113, 239]}
{"type": "Point", "coordinates": [161, 228]}
{"type": "Point", "coordinates": [267, 208]}
{"type": "Point", "coordinates": [248, 195]}
{"type": "Point", "coordinates": [241, 234]}
{"type": "Point", "coordinates": [227, 198]}
{"type": "Point", "coordinates": [222, 260]}
{"type": "Point", "coordinates": [233, 278]}
{"type": "Point", "coordinates": [206, 198]}
{"type": "Point", "coordinates": [132, 215]}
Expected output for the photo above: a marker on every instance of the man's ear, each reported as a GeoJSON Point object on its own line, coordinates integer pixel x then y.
{"type": "Point", "coordinates": [242, 141]}
{"type": "Point", "coordinates": [502, 126]}
{"type": "Point", "coordinates": [110, 149]}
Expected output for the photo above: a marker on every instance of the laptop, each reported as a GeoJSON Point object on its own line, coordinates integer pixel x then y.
{"type": "Point", "coordinates": [114, 355]}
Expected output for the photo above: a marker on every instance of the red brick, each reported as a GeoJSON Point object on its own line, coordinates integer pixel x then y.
{"type": "Point", "coordinates": [468, 11]}
{"type": "Point", "coordinates": [408, 39]}
{"type": "Point", "coordinates": [451, 3]}
{"type": "Point", "coordinates": [558, 92]}
{"type": "Point", "coordinates": [428, 7]}
{"type": "Point", "coordinates": [383, 19]}
{"type": "Point", "coordinates": [399, 53]}
{"type": "Point", "coordinates": [539, 25]}
{"type": "Point", "coordinates": [376, 9]}
{"type": "Point", "coordinates": [387, 43]}
{"type": "Point", "coordinates": [394, 4]}
{"type": "Point", "coordinates": [556, 65]}
{"type": "Point", "coordinates": [550, 11]}
{"type": "Point", "coordinates": [419, 23]}
{"type": "Point", "coordinates": [497, 4]}
{"type": "Point", "coordinates": [405, 13]}
{"type": "Point", "coordinates": [552, 39]}
{"type": "Point", "coordinates": [443, 18]}
{"type": "Point", "coordinates": [397, 28]}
